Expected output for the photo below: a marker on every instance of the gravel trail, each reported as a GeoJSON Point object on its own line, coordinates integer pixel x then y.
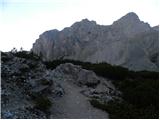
{"type": "Point", "coordinates": [74, 105]}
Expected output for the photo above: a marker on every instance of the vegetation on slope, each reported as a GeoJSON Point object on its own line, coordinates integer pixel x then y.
{"type": "Point", "coordinates": [26, 55]}
{"type": "Point", "coordinates": [106, 70]}
{"type": "Point", "coordinates": [140, 100]}
{"type": "Point", "coordinates": [140, 90]}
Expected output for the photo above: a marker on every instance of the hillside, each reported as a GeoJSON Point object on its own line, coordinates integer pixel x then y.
{"type": "Point", "coordinates": [32, 88]}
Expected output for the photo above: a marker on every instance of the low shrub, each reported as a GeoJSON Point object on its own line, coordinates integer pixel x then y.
{"type": "Point", "coordinates": [143, 75]}
{"type": "Point", "coordinates": [124, 110]}
{"type": "Point", "coordinates": [106, 70]}
{"type": "Point", "coordinates": [46, 82]}
{"type": "Point", "coordinates": [140, 93]}
{"type": "Point", "coordinates": [140, 100]}
{"type": "Point", "coordinates": [101, 69]}
{"type": "Point", "coordinates": [27, 55]}
{"type": "Point", "coordinates": [5, 59]}
{"type": "Point", "coordinates": [42, 103]}
{"type": "Point", "coordinates": [96, 103]}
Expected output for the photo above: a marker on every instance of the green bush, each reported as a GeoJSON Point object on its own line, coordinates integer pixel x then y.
{"type": "Point", "coordinates": [140, 93]}
{"type": "Point", "coordinates": [143, 75]}
{"type": "Point", "coordinates": [42, 103]}
{"type": "Point", "coordinates": [140, 100]}
{"type": "Point", "coordinates": [46, 82]}
{"type": "Point", "coordinates": [27, 55]}
{"type": "Point", "coordinates": [5, 57]}
{"type": "Point", "coordinates": [93, 85]}
{"type": "Point", "coordinates": [124, 110]}
{"type": "Point", "coordinates": [96, 103]}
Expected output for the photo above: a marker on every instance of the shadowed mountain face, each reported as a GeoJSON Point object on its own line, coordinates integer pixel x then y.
{"type": "Point", "coordinates": [128, 42]}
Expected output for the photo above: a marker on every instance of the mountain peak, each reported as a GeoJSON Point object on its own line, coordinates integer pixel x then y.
{"type": "Point", "coordinates": [130, 17]}
{"type": "Point", "coordinates": [130, 24]}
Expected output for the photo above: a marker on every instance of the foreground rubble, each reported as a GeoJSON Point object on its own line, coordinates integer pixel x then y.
{"type": "Point", "coordinates": [29, 90]}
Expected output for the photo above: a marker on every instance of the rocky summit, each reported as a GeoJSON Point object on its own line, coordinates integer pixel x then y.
{"type": "Point", "coordinates": [128, 42]}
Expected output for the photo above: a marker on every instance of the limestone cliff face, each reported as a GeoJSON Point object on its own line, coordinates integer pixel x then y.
{"type": "Point", "coordinates": [156, 27]}
{"type": "Point", "coordinates": [128, 42]}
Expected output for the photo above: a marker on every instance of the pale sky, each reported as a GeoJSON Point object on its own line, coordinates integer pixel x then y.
{"type": "Point", "coordinates": [22, 21]}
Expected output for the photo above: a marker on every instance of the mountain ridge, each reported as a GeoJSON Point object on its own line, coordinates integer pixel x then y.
{"type": "Point", "coordinates": [88, 41]}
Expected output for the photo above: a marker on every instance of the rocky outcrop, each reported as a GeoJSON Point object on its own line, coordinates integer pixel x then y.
{"type": "Point", "coordinates": [29, 90]}
{"type": "Point", "coordinates": [23, 83]}
{"type": "Point", "coordinates": [117, 44]}
{"type": "Point", "coordinates": [80, 86]}
{"type": "Point", "coordinates": [79, 76]}
{"type": "Point", "coordinates": [91, 85]}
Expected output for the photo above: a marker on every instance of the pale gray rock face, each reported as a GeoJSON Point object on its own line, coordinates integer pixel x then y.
{"type": "Point", "coordinates": [79, 76]}
{"type": "Point", "coordinates": [128, 42]}
{"type": "Point", "coordinates": [156, 28]}
{"type": "Point", "coordinates": [131, 25]}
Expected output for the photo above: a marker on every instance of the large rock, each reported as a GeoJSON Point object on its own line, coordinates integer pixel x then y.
{"type": "Point", "coordinates": [76, 75]}
{"type": "Point", "coordinates": [124, 43]}
{"type": "Point", "coordinates": [87, 82]}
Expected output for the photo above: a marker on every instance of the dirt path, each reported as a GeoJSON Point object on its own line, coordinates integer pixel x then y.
{"type": "Point", "coordinates": [74, 105]}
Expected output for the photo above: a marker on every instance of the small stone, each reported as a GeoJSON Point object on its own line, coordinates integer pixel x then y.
{"type": "Point", "coordinates": [8, 115]}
